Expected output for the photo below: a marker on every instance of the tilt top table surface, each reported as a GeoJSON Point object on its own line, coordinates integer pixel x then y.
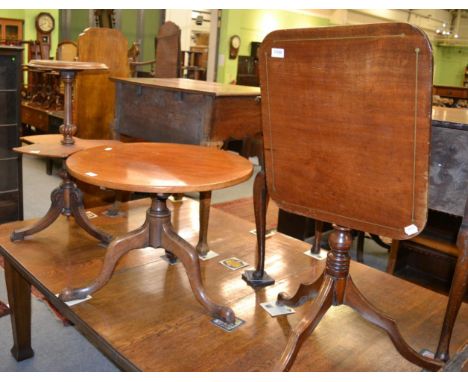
{"type": "Point", "coordinates": [147, 319]}
{"type": "Point", "coordinates": [159, 167]}
{"type": "Point", "coordinates": [66, 65]}
{"type": "Point", "coordinates": [49, 145]}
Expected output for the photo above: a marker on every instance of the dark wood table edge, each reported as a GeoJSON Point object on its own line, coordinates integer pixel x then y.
{"type": "Point", "coordinates": [92, 336]}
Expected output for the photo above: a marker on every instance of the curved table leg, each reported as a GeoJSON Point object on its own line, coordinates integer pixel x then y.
{"type": "Point", "coordinates": [78, 212]}
{"type": "Point", "coordinates": [171, 241]}
{"type": "Point", "coordinates": [119, 247]}
{"type": "Point", "coordinates": [354, 299]}
{"type": "Point", "coordinates": [312, 317]}
{"type": "Point", "coordinates": [457, 290]}
{"type": "Point", "coordinates": [52, 214]}
{"type": "Point", "coordinates": [205, 204]}
{"type": "Point", "coordinates": [258, 277]}
{"type": "Point", "coordinates": [304, 293]}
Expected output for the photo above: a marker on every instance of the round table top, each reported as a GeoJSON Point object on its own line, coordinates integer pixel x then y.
{"type": "Point", "coordinates": [159, 167]}
{"type": "Point", "coordinates": [50, 146]}
{"type": "Point", "coordinates": [66, 65]}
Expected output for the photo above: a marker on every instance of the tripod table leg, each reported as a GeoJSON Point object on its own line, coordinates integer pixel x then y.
{"type": "Point", "coordinates": [172, 242]}
{"type": "Point", "coordinates": [134, 240]}
{"type": "Point", "coordinates": [354, 299]}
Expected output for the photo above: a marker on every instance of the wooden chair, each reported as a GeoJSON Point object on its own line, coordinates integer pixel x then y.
{"type": "Point", "coordinates": [341, 147]}
{"type": "Point", "coordinates": [167, 53]}
{"type": "Point", "coordinates": [66, 51]}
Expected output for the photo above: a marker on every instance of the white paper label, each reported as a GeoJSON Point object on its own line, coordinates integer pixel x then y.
{"type": "Point", "coordinates": [90, 173]}
{"type": "Point", "coordinates": [411, 229]}
{"type": "Point", "coordinates": [277, 52]}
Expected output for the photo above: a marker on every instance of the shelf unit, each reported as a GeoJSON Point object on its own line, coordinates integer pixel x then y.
{"type": "Point", "coordinates": [11, 31]}
{"type": "Point", "coordinates": [11, 187]}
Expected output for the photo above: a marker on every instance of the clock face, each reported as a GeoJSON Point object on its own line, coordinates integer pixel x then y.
{"type": "Point", "coordinates": [235, 42]}
{"type": "Point", "coordinates": [45, 22]}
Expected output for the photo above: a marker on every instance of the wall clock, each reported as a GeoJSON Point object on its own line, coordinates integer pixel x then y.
{"type": "Point", "coordinates": [234, 44]}
{"type": "Point", "coordinates": [45, 24]}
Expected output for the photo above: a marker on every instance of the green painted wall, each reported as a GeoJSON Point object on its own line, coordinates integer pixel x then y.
{"type": "Point", "coordinates": [450, 64]}
{"type": "Point", "coordinates": [152, 21]}
{"type": "Point", "coordinates": [254, 25]}
{"type": "Point", "coordinates": [79, 22]}
{"type": "Point", "coordinates": [29, 17]}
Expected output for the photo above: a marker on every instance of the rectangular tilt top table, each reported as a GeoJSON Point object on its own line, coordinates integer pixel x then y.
{"type": "Point", "coordinates": [180, 110]}
{"type": "Point", "coordinates": [146, 317]}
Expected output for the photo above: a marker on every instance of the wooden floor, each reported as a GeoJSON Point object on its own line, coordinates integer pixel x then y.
{"type": "Point", "coordinates": [148, 315]}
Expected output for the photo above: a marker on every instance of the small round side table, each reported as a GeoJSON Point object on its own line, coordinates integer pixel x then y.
{"type": "Point", "coordinates": [67, 198]}
{"type": "Point", "coordinates": [159, 169]}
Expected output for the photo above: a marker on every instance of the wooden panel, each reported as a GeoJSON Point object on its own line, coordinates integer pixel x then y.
{"type": "Point", "coordinates": [185, 111]}
{"type": "Point", "coordinates": [451, 91]}
{"type": "Point", "coordinates": [339, 146]}
{"type": "Point", "coordinates": [236, 118]}
{"type": "Point", "coordinates": [94, 101]}
{"type": "Point", "coordinates": [162, 115]}
{"type": "Point", "coordinates": [35, 117]}
{"type": "Point", "coordinates": [146, 318]}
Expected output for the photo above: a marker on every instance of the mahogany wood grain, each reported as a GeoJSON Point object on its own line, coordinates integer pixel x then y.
{"type": "Point", "coordinates": [205, 203]}
{"type": "Point", "coordinates": [318, 107]}
{"type": "Point", "coordinates": [49, 145]}
{"type": "Point", "coordinates": [323, 102]}
{"type": "Point", "coordinates": [66, 65]}
{"type": "Point", "coordinates": [159, 168]}
{"type": "Point", "coordinates": [94, 96]}
{"type": "Point", "coordinates": [147, 319]}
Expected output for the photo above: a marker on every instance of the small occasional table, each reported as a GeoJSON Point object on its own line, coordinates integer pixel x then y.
{"type": "Point", "coordinates": [67, 198]}
{"type": "Point", "coordinates": [160, 169]}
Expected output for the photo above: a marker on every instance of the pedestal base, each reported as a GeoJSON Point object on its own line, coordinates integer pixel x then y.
{"type": "Point", "coordinates": [67, 199]}
{"type": "Point", "coordinates": [335, 287]}
{"type": "Point", "coordinates": [157, 232]}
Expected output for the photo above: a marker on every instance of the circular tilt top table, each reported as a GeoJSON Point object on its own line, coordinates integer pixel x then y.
{"type": "Point", "coordinates": [67, 198]}
{"type": "Point", "coordinates": [160, 169]}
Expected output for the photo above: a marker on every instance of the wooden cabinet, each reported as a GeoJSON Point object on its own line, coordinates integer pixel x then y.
{"type": "Point", "coordinates": [11, 197]}
{"type": "Point", "coordinates": [11, 31]}
{"type": "Point", "coordinates": [450, 91]}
